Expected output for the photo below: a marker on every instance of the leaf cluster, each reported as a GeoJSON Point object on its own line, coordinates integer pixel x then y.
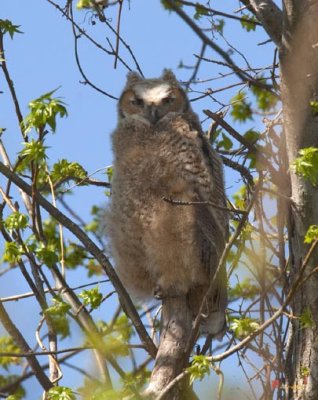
{"type": "Point", "coordinates": [44, 111]}
{"type": "Point", "coordinates": [7, 26]}
{"type": "Point", "coordinates": [243, 327]}
{"type": "Point", "coordinates": [58, 315]}
{"type": "Point", "coordinates": [199, 368]}
{"type": "Point", "coordinates": [7, 345]}
{"type": "Point", "coordinates": [306, 164]}
{"type": "Point", "coordinates": [91, 297]}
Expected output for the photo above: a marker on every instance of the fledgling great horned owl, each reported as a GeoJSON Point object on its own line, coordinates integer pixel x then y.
{"type": "Point", "coordinates": [161, 246]}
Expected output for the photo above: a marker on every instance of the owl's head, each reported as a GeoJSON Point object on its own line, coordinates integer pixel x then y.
{"type": "Point", "coordinates": [151, 99]}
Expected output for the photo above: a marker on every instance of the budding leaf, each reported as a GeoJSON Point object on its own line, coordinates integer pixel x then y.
{"type": "Point", "coordinates": [199, 368]}
{"type": "Point", "coordinates": [311, 234]}
{"type": "Point", "coordinates": [306, 164]}
{"type": "Point", "coordinates": [60, 393]}
{"type": "Point", "coordinates": [15, 221]}
{"type": "Point", "coordinates": [248, 22]}
{"type": "Point", "coordinates": [57, 312]}
{"type": "Point", "coordinates": [92, 297]}
{"type": "Point", "coordinates": [7, 26]}
{"type": "Point", "coordinates": [241, 109]}
{"type": "Point", "coordinates": [243, 327]}
{"type": "Point", "coordinates": [44, 111]}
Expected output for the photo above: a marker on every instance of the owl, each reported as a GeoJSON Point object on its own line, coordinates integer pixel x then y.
{"type": "Point", "coordinates": [166, 230]}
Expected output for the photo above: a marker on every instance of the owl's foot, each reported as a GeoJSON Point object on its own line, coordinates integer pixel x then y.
{"type": "Point", "coordinates": [158, 293]}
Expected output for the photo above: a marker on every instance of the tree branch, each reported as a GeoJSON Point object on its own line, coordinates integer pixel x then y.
{"type": "Point", "coordinates": [244, 77]}
{"type": "Point", "coordinates": [270, 16]}
{"type": "Point", "coordinates": [125, 300]}
{"type": "Point", "coordinates": [24, 347]}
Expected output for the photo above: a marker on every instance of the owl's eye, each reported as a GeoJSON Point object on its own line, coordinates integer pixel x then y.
{"type": "Point", "coordinates": [137, 102]}
{"type": "Point", "coordinates": [168, 100]}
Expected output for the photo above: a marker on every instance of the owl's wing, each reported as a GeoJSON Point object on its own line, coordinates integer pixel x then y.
{"type": "Point", "coordinates": [213, 225]}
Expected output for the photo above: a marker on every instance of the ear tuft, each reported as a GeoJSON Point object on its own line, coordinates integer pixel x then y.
{"type": "Point", "coordinates": [168, 75]}
{"type": "Point", "coordinates": [133, 77]}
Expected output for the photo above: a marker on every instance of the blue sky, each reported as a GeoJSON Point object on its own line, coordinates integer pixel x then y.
{"type": "Point", "coordinates": [43, 59]}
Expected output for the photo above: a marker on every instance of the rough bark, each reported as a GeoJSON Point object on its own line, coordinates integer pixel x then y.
{"type": "Point", "coordinates": [299, 84]}
{"type": "Point", "coordinates": [170, 361]}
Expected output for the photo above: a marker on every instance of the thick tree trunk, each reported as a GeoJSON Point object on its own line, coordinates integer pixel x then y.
{"type": "Point", "coordinates": [299, 76]}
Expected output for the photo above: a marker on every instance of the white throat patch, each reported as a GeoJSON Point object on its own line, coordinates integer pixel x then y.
{"type": "Point", "coordinates": [153, 95]}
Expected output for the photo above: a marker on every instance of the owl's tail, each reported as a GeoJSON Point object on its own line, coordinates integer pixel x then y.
{"type": "Point", "coordinates": [213, 321]}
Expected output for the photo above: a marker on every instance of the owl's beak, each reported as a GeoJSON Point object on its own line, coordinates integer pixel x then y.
{"type": "Point", "coordinates": [153, 114]}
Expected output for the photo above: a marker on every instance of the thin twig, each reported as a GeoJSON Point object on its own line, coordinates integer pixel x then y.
{"type": "Point", "coordinates": [210, 203]}
{"type": "Point", "coordinates": [86, 80]}
{"type": "Point", "coordinates": [11, 87]}
{"type": "Point", "coordinates": [118, 32]}
{"type": "Point", "coordinates": [298, 281]}
{"type": "Point", "coordinates": [217, 12]}
{"type": "Point", "coordinates": [24, 347]}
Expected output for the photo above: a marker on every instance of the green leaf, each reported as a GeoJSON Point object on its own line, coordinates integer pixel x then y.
{"type": "Point", "coordinates": [311, 234]}
{"type": "Point", "coordinates": [94, 269]}
{"type": "Point", "coordinates": [218, 25]}
{"type": "Point", "coordinates": [314, 107]}
{"type": "Point", "coordinates": [92, 297]}
{"type": "Point", "coordinates": [123, 327]}
{"type": "Point", "coordinates": [199, 368]}
{"type": "Point", "coordinates": [167, 6]}
{"type": "Point", "coordinates": [226, 142]}
{"type": "Point", "coordinates": [12, 252]}
{"type": "Point", "coordinates": [46, 253]}
{"type": "Point", "coordinates": [64, 169]}
{"type": "Point", "coordinates": [200, 11]}
{"type": "Point", "coordinates": [16, 221]}
{"type": "Point", "coordinates": [116, 335]}
{"type": "Point", "coordinates": [243, 327]}
{"type": "Point", "coordinates": [7, 345]}
{"type": "Point", "coordinates": [264, 98]}
{"type": "Point", "coordinates": [304, 371]}
{"type": "Point", "coordinates": [241, 109]}
{"type": "Point", "coordinates": [57, 312]}
{"type": "Point", "coordinates": [74, 255]}
{"type": "Point", "coordinates": [306, 319]}
{"type": "Point", "coordinates": [33, 151]}
{"type": "Point", "coordinates": [116, 345]}
{"type": "Point", "coordinates": [60, 393]}
{"type": "Point", "coordinates": [83, 4]}
{"type": "Point", "coordinates": [240, 197]}
{"type": "Point", "coordinates": [306, 164]}
{"type": "Point", "coordinates": [245, 289]}
{"type": "Point", "coordinates": [252, 136]}
{"type": "Point", "coordinates": [7, 26]}
{"type": "Point", "coordinates": [18, 392]}
{"type": "Point", "coordinates": [95, 390]}
{"type": "Point", "coordinates": [248, 22]}
{"type": "Point", "coordinates": [44, 111]}
{"type": "Point", "coordinates": [109, 173]}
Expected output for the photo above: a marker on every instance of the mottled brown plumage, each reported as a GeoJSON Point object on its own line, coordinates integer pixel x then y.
{"type": "Point", "coordinates": [162, 158]}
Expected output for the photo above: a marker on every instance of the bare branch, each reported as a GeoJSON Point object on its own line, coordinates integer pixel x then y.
{"type": "Point", "coordinates": [244, 77]}
{"type": "Point", "coordinates": [11, 86]}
